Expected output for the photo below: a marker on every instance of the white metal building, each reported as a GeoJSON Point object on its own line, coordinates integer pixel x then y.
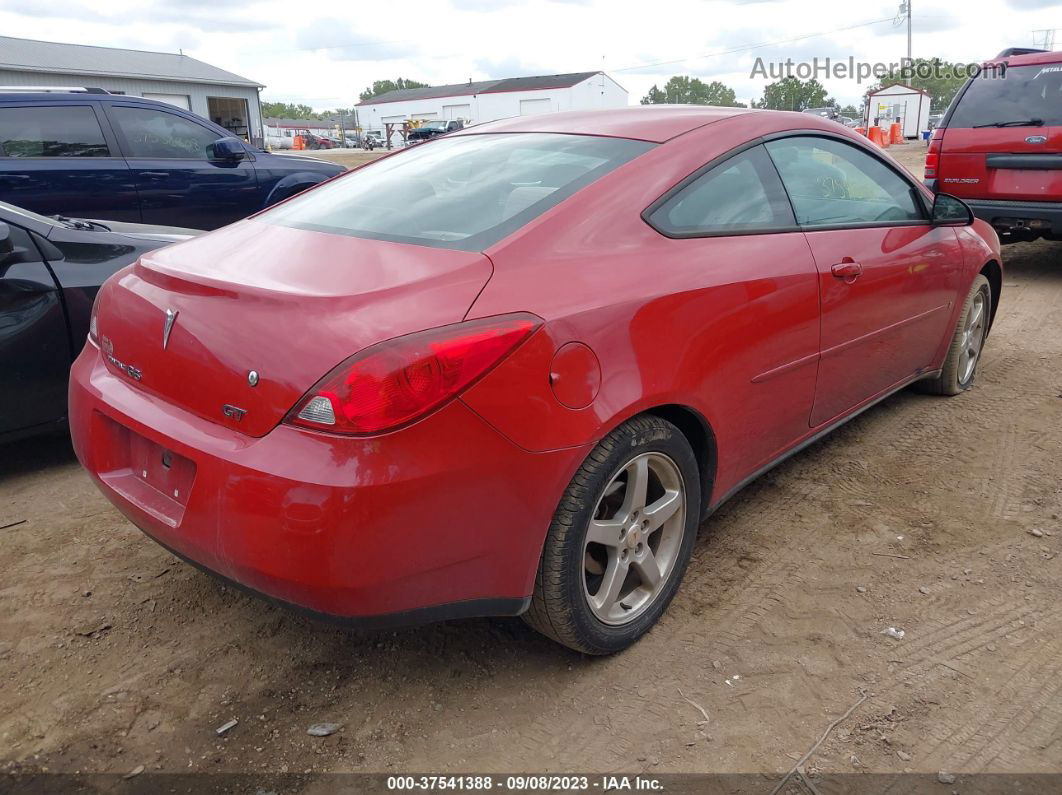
{"type": "Point", "coordinates": [223, 97]}
{"type": "Point", "coordinates": [897, 102]}
{"type": "Point", "coordinates": [280, 133]}
{"type": "Point", "coordinates": [487, 100]}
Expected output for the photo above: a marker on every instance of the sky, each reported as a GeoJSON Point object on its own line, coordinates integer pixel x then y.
{"type": "Point", "coordinates": [325, 54]}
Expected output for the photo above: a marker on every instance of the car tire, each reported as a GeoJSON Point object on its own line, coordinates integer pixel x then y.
{"type": "Point", "coordinates": [967, 343]}
{"type": "Point", "coordinates": [604, 500]}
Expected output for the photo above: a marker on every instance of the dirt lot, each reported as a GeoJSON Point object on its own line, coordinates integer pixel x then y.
{"type": "Point", "coordinates": [938, 516]}
{"type": "Point", "coordinates": [351, 158]}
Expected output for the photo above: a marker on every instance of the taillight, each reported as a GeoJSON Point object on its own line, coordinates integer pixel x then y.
{"type": "Point", "coordinates": [933, 155]}
{"type": "Point", "coordinates": [94, 331]}
{"type": "Point", "coordinates": [400, 380]}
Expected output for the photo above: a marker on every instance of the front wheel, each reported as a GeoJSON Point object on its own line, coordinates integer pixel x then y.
{"type": "Point", "coordinates": [620, 540]}
{"type": "Point", "coordinates": [971, 331]}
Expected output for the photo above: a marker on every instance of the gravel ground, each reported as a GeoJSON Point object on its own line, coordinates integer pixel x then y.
{"type": "Point", "coordinates": [937, 516]}
{"type": "Point", "coordinates": [351, 158]}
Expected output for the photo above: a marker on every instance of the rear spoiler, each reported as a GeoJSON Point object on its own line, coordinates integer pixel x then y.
{"type": "Point", "coordinates": [1019, 51]}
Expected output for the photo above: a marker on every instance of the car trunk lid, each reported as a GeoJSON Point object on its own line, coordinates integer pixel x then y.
{"type": "Point", "coordinates": [288, 304]}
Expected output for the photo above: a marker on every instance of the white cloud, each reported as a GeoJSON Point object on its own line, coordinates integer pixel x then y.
{"type": "Point", "coordinates": [342, 42]}
{"type": "Point", "coordinates": [501, 5]}
{"type": "Point", "coordinates": [325, 54]}
{"type": "Point", "coordinates": [201, 14]}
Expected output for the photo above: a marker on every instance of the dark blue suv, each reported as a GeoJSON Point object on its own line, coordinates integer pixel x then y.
{"type": "Point", "coordinates": [109, 156]}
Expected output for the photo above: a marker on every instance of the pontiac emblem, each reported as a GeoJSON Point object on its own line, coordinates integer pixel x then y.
{"type": "Point", "coordinates": [171, 318]}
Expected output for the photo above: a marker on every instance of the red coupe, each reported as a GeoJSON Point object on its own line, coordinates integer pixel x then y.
{"type": "Point", "coordinates": [512, 370]}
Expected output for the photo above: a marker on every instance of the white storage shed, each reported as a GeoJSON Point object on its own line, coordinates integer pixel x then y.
{"type": "Point", "coordinates": [897, 102]}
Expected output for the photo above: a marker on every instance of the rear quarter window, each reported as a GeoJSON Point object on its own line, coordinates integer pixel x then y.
{"type": "Point", "coordinates": [742, 194]}
{"type": "Point", "coordinates": [51, 131]}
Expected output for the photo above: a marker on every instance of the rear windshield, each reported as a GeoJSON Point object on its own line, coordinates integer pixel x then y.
{"type": "Point", "coordinates": [1024, 93]}
{"type": "Point", "coordinates": [465, 192]}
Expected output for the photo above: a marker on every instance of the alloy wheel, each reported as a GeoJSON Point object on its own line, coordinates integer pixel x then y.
{"type": "Point", "coordinates": [633, 541]}
{"type": "Point", "coordinates": [973, 336]}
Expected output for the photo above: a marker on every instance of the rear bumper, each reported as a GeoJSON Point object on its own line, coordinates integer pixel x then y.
{"type": "Point", "coordinates": [1041, 218]}
{"type": "Point", "coordinates": [443, 519]}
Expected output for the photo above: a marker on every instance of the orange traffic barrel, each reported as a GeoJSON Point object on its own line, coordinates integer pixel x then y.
{"type": "Point", "coordinates": [861, 130]}
{"type": "Point", "coordinates": [875, 136]}
{"type": "Point", "coordinates": [298, 143]}
{"type": "Point", "coordinates": [895, 133]}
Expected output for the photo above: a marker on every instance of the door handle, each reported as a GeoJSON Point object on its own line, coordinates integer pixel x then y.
{"type": "Point", "coordinates": [848, 269]}
{"type": "Point", "coordinates": [154, 173]}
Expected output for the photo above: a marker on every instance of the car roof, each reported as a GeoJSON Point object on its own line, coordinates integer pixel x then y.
{"type": "Point", "coordinates": [1030, 59]}
{"type": "Point", "coordinates": [79, 97]}
{"type": "Point", "coordinates": [656, 123]}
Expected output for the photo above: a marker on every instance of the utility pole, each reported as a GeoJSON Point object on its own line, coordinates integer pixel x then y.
{"type": "Point", "coordinates": [905, 12]}
{"type": "Point", "coordinates": [908, 3]}
{"type": "Point", "coordinates": [1047, 36]}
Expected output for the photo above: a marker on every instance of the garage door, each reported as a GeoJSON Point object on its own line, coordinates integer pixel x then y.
{"type": "Point", "coordinates": [180, 100]}
{"type": "Point", "coordinates": [392, 120]}
{"type": "Point", "coordinates": [529, 107]}
{"type": "Point", "coordinates": [451, 112]}
{"type": "Point", "coordinates": [425, 116]}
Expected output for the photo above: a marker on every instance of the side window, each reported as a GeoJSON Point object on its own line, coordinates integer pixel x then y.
{"type": "Point", "coordinates": [156, 134]}
{"type": "Point", "coordinates": [57, 131]}
{"type": "Point", "coordinates": [833, 183]}
{"type": "Point", "coordinates": [740, 194]}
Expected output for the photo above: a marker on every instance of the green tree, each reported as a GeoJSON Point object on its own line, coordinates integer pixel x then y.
{"type": "Point", "coordinates": [792, 93]}
{"type": "Point", "coordinates": [346, 113]}
{"type": "Point", "coordinates": [940, 79]}
{"type": "Point", "coordinates": [686, 90]}
{"type": "Point", "coordinates": [287, 110]}
{"type": "Point", "coordinates": [851, 111]}
{"type": "Point", "coordinates": [379, 87]}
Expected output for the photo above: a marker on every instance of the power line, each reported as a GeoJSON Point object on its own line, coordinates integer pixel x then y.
{"type": "Point", "coordinates": [349, 45]}
{"type": "Point", "coordinates": [747, 47]}
{"type": "Point", "coordinates": [1045, 37]}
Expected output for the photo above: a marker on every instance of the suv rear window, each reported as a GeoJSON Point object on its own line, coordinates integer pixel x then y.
{"type": "Point", "coordinates": [1024, 93]}
{"type": "Point", "coordinates": [67, 131]}
{"type": "Point", "coordinates": [465, 192]}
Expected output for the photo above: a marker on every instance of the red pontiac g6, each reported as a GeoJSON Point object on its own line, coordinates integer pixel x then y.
{"type": "Point", "coordinates": [511, 371]}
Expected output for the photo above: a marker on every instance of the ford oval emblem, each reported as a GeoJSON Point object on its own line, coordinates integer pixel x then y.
{"type": "Point", "coordinates": [1036, 139]}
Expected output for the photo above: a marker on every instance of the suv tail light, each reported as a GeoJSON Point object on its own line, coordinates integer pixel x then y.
{"type": "Point", "coordinates": [933, 155]}
{"type": "Point", "coordinates": [398, 381]}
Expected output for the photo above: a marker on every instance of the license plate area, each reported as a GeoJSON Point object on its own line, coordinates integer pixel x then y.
{"type": "Point", "coordinates": [155, 479]}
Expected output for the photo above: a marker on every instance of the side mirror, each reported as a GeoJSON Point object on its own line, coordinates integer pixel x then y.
{"type": "Point", "coordinates": [949, 210]}
{"type": "Point", "coordinates": [6, 246]}
{"type": "Point", "coordinates": [227, 149]}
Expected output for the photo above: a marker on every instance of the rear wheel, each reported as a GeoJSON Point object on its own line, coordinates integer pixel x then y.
{"type": "Point", "coordinates": [960, 365]}
{"type": "Point", "coordinates": [620, 540]}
